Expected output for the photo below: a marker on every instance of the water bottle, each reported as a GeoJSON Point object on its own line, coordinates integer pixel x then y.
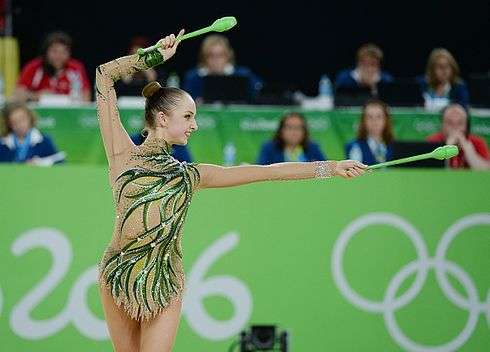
{"type": "Point", "coordinates": [75, 86]}
{"type": "Point", "coordinates": [173, 80]}
{"type": "Point", "coordinates": [325, 87]}
{"type": "Point", "coordinates": [325, 95]}
{"type": "Point", "coordinates": [229, 154]}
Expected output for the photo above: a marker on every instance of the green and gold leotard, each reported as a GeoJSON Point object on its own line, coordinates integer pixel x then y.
{"type": "Point", "coordinates": [143, 263]}
{"type": "Point", "coordinates": [142, 266]}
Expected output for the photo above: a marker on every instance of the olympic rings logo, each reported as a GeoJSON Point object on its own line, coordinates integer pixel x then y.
{"type": "Point", "coordinates": [421, 267]}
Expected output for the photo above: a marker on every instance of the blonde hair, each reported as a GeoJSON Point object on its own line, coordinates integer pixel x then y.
{"type": "Point", "coordinates": [370, 50]}
{"type": "Point", "coordinates": [9, 109]}
{"type": "Point", "coordinates": [431, 62]}
{"type": "Point", "coordinates": [158, 98]}
{"type": "Point", "coordinates": [212, 40]}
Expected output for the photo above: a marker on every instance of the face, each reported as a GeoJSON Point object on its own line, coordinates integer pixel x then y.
{"type": "Point", "coordinates": [369, 64]}
{"type": "Point", "coordinates": [57, 55]}
{"type": "Point", "coordinates": [217, 58]}
{"type": "Point", "coordinates": [182, 122]}
{"type": "Point", "coordinates": [20, 122]}
{"type": "Point", "coordinates": [375, 120]}
{"type": "Point", "coordinates": [454, 121]}
{"type": "Point", "coordinates": [293, 131]}
{"type": "Point", "coordinates": [442, 69]}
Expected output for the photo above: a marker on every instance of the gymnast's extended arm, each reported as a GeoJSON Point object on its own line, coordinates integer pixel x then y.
{"type": "Point", "coordinates": [212, 176]}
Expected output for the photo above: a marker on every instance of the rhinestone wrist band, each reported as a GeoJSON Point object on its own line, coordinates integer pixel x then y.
{"type": "Point", "coordinates": [325, 169]}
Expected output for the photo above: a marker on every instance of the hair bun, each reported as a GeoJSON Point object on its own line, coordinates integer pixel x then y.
{"type": "Point", "coordinates": [150, 89]}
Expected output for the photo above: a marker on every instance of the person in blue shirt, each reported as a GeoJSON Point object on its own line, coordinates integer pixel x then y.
{"type": "Point", "coordinates": [374, 136]}
{"type": "Point", "coordinates": [442, 84]}
{"type": "Point", "coordinates": [367, 72]}
{"type": "Point", "coordinates": [216, 57]}
{"type": "Point", "coordinates": [179, 152]}
{"type": "Point", "coordinates": [22, 142]}
{"type": "Point", "coordinates": [291, 142]}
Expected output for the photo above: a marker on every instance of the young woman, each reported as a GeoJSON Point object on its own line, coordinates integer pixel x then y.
{"type": "Point", "coordinates": [141, 274]}
{"type": "Point", "coordinates": [291, 142]}
{"type": "Point", "coordinates": [374, 136]}
{"type": "Point", "coordinates": [442, 84]}
{"type": "Point", "coordinates": [216, 57]}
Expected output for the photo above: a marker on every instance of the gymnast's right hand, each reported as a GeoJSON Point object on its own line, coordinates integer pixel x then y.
{"type": "Point", "coordinates": [349, 168]}
{"type": "Point", "coordinates": [168, 45]}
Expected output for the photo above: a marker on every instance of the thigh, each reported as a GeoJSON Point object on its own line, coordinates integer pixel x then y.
{"type": "Point", "coordinates": [124, 331]}
{"type": "Point", "coordinates": [158, 334]}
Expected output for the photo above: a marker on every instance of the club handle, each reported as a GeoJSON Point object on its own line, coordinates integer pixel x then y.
{"type": "Point", "coordinates": [195, 33]}
{"type": "Point", "coordinates": [143, 51]}
{"type": "Point", "coordinates": [401, 161]}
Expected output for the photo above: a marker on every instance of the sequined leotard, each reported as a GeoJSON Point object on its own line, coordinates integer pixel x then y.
{"type": "Point", "coordinates": [142, 266]}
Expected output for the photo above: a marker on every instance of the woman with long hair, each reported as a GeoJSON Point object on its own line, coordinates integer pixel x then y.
{"type": "Point", "coordinates": [291, 142]}
{"type": "Point", "coordinates": [442, 83]}
{"type": "Point", "coordinates": [374, 136]}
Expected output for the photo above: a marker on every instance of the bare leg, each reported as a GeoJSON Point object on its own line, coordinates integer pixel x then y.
{"type": "Point", "coordinates": [158, 334]}
{"type": "Point", "coordinates": [124, 331]}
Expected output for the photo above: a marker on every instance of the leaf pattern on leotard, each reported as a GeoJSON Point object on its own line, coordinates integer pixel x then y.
{"type": "Point", "coordinates": [143, 275]}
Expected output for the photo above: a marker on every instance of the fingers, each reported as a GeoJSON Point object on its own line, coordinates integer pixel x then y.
{"type": "Point", "coordinates": [177, 40]}
{"type": "Point", "coordinates": [359, 171]}
{"type": "Point", "coordinates": [163, 43]}
{"type": "Point", "coordinates": [171, 40]}
{"type": "Point", "coordinates": [168, 41]}
{"type": "Point", "coordinates": [355, 170]}
{"type": "Point", "coordinates": [351, 168]}
{"type": "Point", "coordinates": [358, 164]}
{"type": "Point", "coordinates": [362, 166]}
{"type": "Point", "coordinates": [181, 33]}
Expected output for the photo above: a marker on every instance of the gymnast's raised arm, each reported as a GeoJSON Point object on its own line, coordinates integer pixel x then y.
{"type": "Point", "coordinates": [212, 176]}
{"type": "Point", "coordinates": [115, 138]}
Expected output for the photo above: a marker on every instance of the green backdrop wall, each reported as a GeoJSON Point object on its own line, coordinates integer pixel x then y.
{"type": "Point", "coordinates": [393, 261]}
{"type": "Point", "coordinates": [76, 130]}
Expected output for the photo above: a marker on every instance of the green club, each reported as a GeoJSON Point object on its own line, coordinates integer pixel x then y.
{"type": "Point", "coordinates": [441, 153]}
{"type": "Point", "coordinates": [220, 25]}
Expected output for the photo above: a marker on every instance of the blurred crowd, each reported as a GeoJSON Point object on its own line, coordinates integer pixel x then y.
{"type": "Point", "coordinates": [55, 74]}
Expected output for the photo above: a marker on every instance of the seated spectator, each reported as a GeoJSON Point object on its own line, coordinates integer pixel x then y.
{"type": "Point", "coordinates": [132, 85]}
{"type": "Point", "coordinates": [216, 57]}
{"type": "Point", "coordinates": [291, 142]}
{"type": "Point", "coordinates": [22, 142]}
{"type": "Point", "coordinates": [442, 84]}
{"type": "Point", "coordinates": [179, 152]}
{"type": "Point", "coordinates": [367, 72]}
{"type": "Point", "coordinates": [55, 72]}
{"type": "Point", "coordinates": [374, 136]}
{"type": "Point", "coordinates": [473, 150]}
